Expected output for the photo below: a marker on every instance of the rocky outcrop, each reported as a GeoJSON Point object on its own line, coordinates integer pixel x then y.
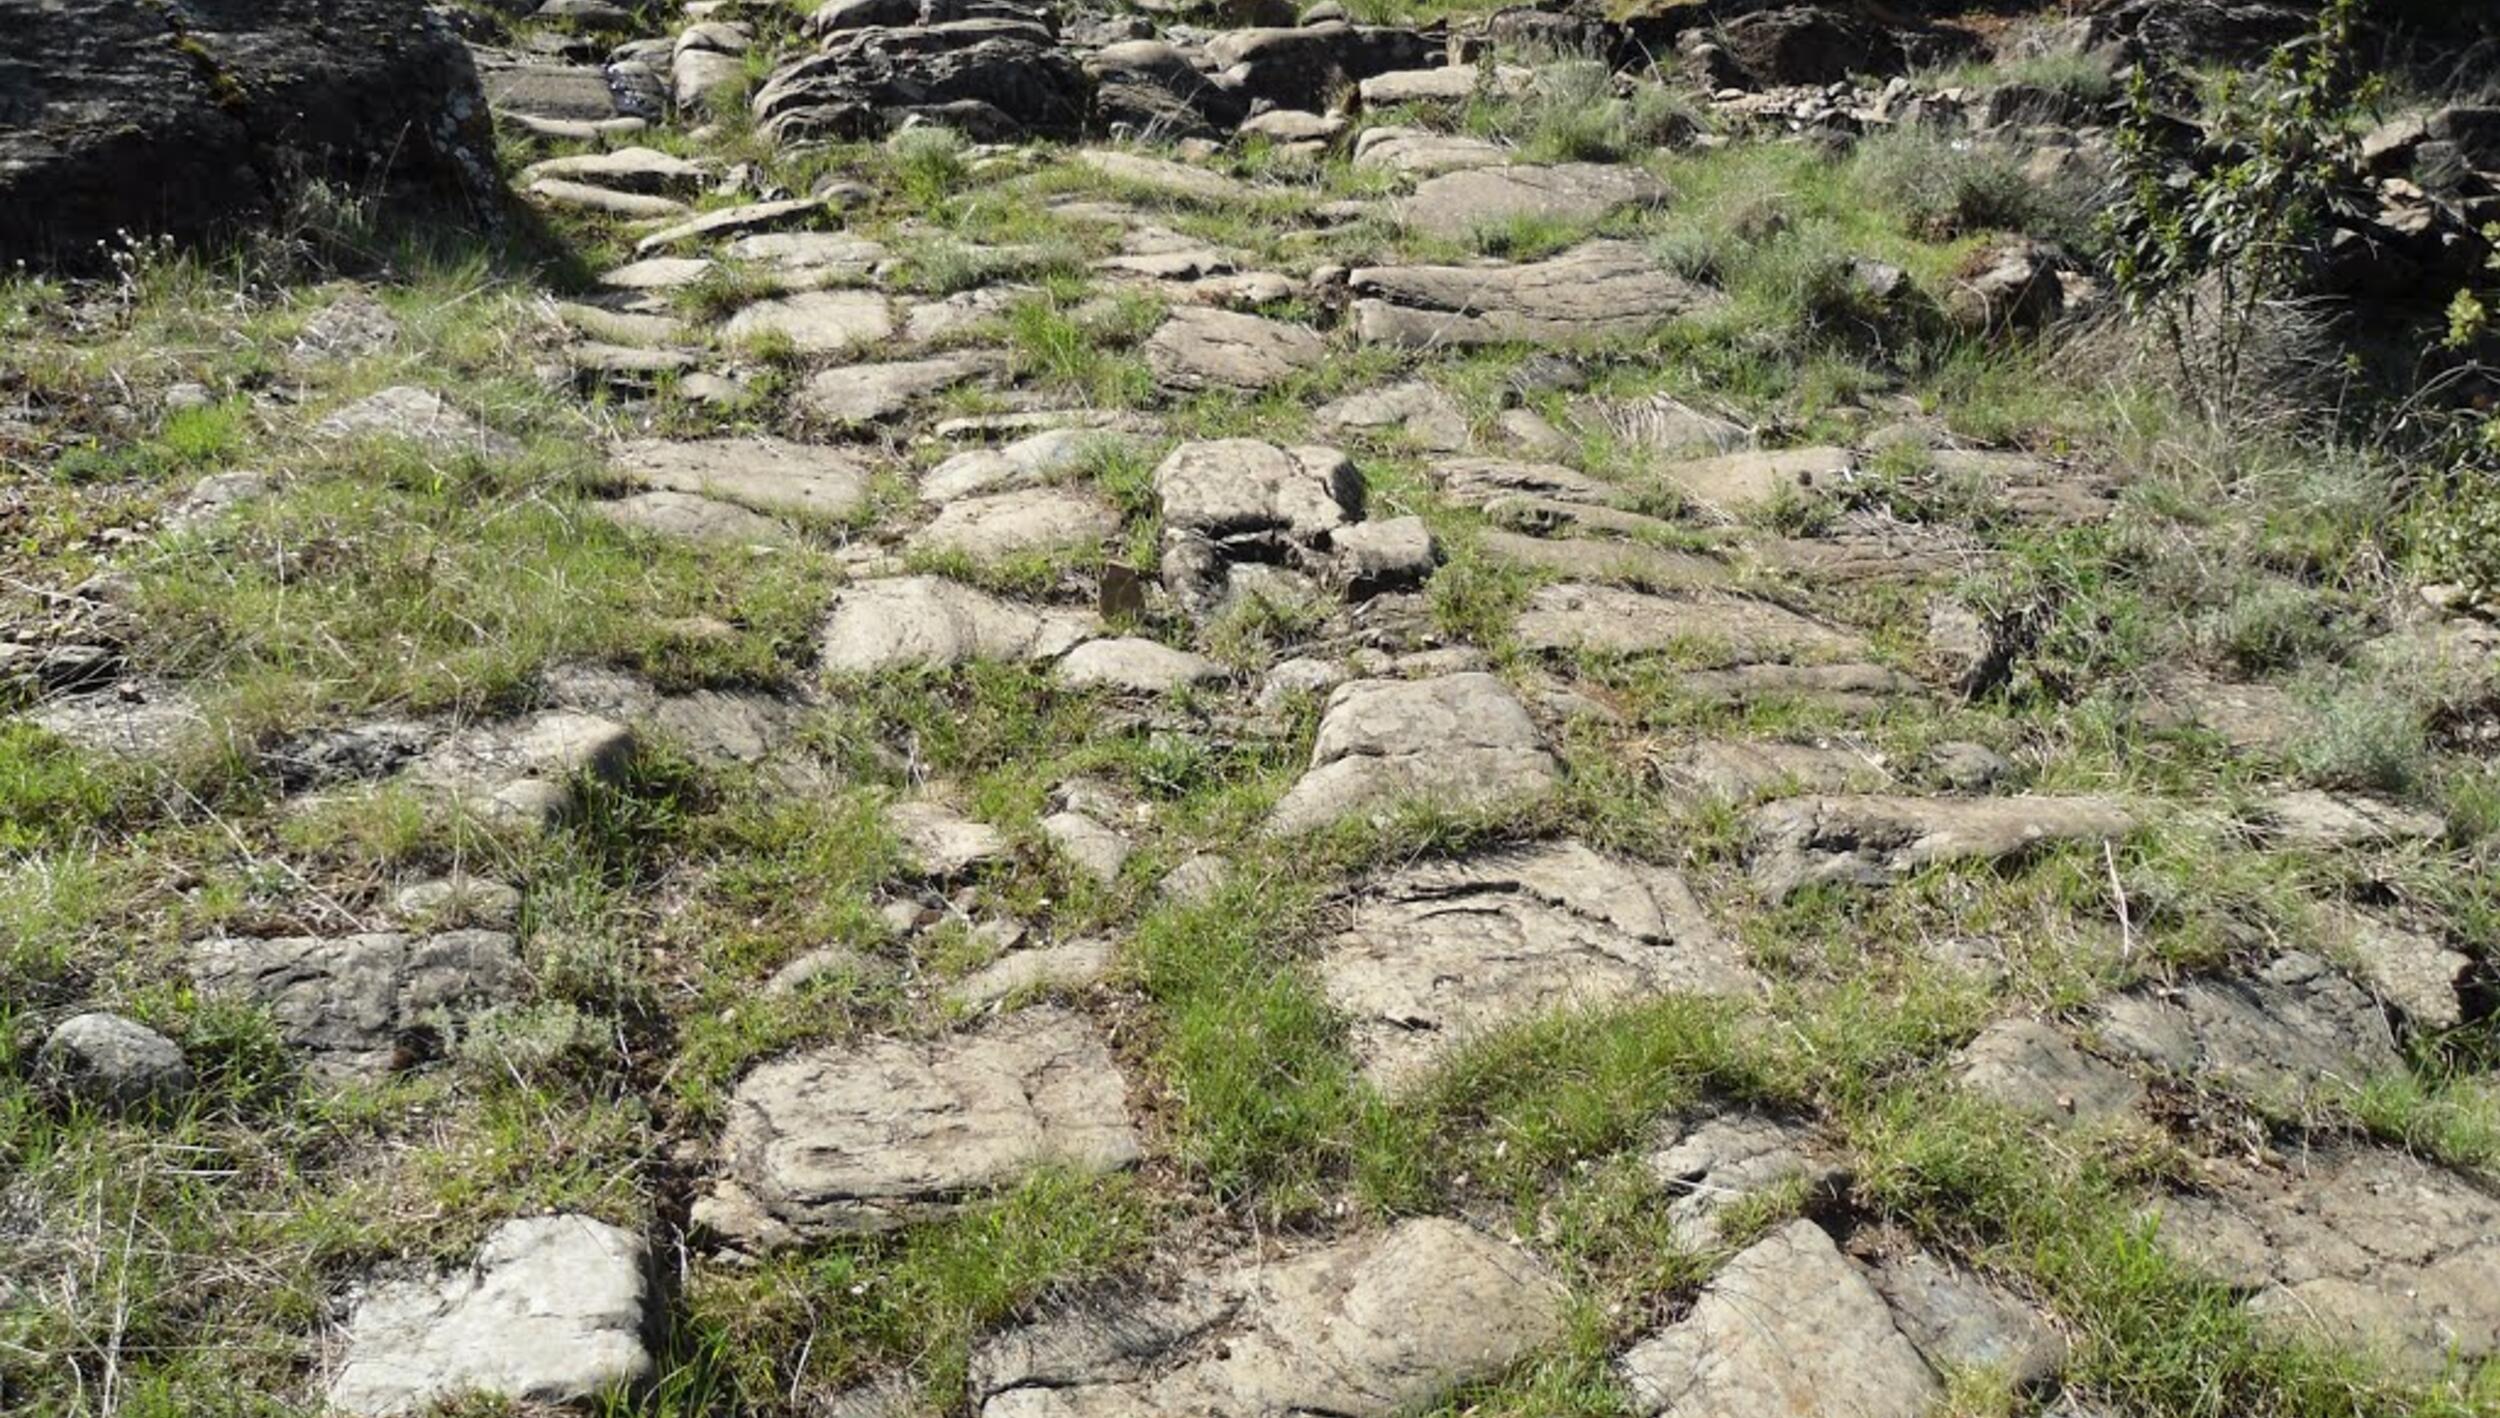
{"type": "Point", "coordinates": [123, 115]}
{"type": "Point", "coordinates": [988, 69]}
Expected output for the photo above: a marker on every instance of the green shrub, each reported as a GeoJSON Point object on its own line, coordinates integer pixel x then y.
{"type": "Point", "coordinates": [1943, 188]}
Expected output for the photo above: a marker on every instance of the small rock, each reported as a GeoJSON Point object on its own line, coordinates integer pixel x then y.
{"type": "Point", "coordinates": [112, 1063]}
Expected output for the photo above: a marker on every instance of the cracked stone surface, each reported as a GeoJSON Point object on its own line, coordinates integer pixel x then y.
{"type": "Point", "coordinates": [2291, 1025]}
{"type": "Point", "coordinates": [1436, 954]}
{"type": "Point", "coordinates": [2412, 971]}
{"type": "Point", "coordinates": [2032, 1067]}
{"type": "Point", "coordinates": [860, 394]}
{"type": "Point", "coordinates": [2362, 1247]}
{"type": "Point", "coordinates": [1594, 291]}
{"type": "Point", "coordinates": [695, 519]}
{"type": "Point", "coordinates": [1789, 1327]}
{"type": "Point", "coordinates": [1718, 630]}
{"type": "Point", "coordinates": [1233, 487]}
{"type": "Point", "coordinates": [1021, 522]}
{"type": "Point", "coordinates": [1960, 1321]}
{"type": "Point", "coordinates": [1457, 204]}
{"type": "Point", "coordinates": [1870, 841]}
{"type": "Point", "coordinates": [767, 475]}
{"type": "Point", "coordinates": [929, 621]}
{"type": "Point", "coordinates": [1711, 1162]}
{"type": "Point", "coordinates": [1199, 347]}
{"type": "Point", "coordinates": [1737, 771]}
{"type": "Point", "coordinates": [363, 1005]}
{"type": "Point", "coordinates": [552, 1309]}
{"type": "Point", "coordinates": [1365, 1328]}
{"type": "Point", "coordinates": [1416, 409]}
{"type": "Point", "coordinates": [1461, 740]}
{"type": "Point", "coordinates": [873, 1135]}
{"type": "Point", "coordinates": [523, 772]}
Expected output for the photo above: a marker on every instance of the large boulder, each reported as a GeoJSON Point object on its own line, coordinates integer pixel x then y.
{"type": "Point", "coordinates": [124, 115]}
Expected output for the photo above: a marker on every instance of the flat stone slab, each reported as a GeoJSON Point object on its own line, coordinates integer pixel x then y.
{"type": "Point", "coordinates": [931, 622]}
{"type": "Point", "coordinates": [523, 772]}
{"type": "Point", "coordinates": [1021, 522]}
{"type": "Point", "coordinates": [2412, 971]}
{"type": "Point", "coordinates": [1456, 205]}
{"type": "Point", "coordinates": [1460, 741]}
{"type": "Point", "coordinates": [1134, 664]}
{"type": "Point", "coordinates": [1421, 152]}
{"type": "Point", "coordinates": [695, 519]}
{"type": "Point", "coordinates": [1163, 176]}
{"type": "Point", "coordinates": [1740, 771]}
{"type": "Point", "coordinates": [1434, 955]}
{"type": "Point", "coordinates": [1073, 966]}
{"type": "Point", "coordinates": [1715, 631]}
{"type": "Point", "coordinates": [1659, 423]}
{"type": "Point", "coordinates": [1855, 689]}
{"type": "Point", "coordinates": [1415, 409]}
{"type": "Point", "coordinates": [1378, 1325]}
{"type": "Point", "coordinates": [1200, 347]}
{"type": "Point", "coordinates": [874, 393]}
{"type": "Point", "coordinates": [816, 253]}
{"type": "Point", "coordinates": [418, 416]}
{"type": "Point", "coordinates": [877, 1134]}
{"type": "Point", "coordinates": [1451, 83]}
{"type": "Point", "coordinates": [733, 221]}
{"type": "Point", "coordinates": [1597, 290]}
{"type": "Point", "coordinates": [2030, 1066]}
{"type": "Point", "coordinates": [1483, 482]}
{"type": "Point", "coordinates": [645, 170]}
{"type": "Point", "coordinates": [1233, 487]}
{"type": "Point", "coordinates": [161, 724]}
{"type": "Point", "coordinates": [2364, 1248]}
{"type": "Point", "coordinates": [552, 1310]}
{"type": "Point", "coordinates": [606, 201]}
{"type": "Point", "coordinates": [2329, 821]}
{"type": "Point", "coordinates": [1871, 840]}
{"type": "Point", "coordinates": [1600, 559]}
{"type": "Point", "coordinates": [816, 322]}
{"type": "Point", "coordinates": [363, 1005]}
{"type": "Point", "coordinates": [1021, 463]}
{"type": "Point", "coordinates": [2291, 1026]}
{"type": "Point", "coordinates": [1734, 483]}
{"type": "Point", "coordinates": [768, 475]}
{"type": "Point", "coordinates": [1789, 1327]}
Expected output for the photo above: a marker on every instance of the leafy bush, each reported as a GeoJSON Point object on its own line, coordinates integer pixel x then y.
{"type": "Point", "coordinates": [2208, 243]}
